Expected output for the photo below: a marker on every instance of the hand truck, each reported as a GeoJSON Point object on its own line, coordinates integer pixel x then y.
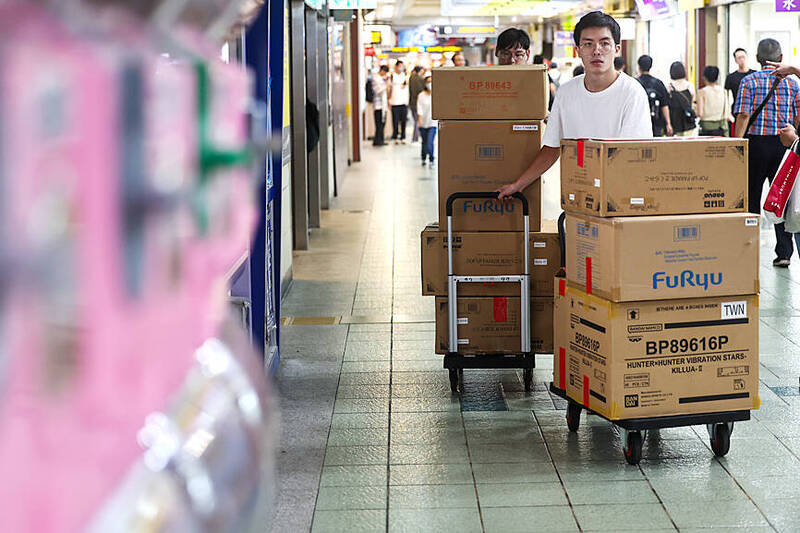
{"type": "Point", "coordinates": [456, 362]}
{"type": "Point", "coordinates": [719, 425]}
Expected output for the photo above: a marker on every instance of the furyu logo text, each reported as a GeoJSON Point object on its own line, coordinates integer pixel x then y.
{"type": "Point", "coordinates": [687, 278]}
{"type": "Point", "coordinates": [488, 206]}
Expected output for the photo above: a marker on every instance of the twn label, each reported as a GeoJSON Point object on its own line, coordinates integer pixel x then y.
{"type": "Point", "coordinates": [596, 182]}
{"type": "Point", "coordinates": [751, 221]}
{"type": "Point", "coordinates": [637, 201]}
{"type": "Point", "coordinates": [539, 244]}
{"type": "Point", "coordinates": [732, 310]}
{"type": "Point", "coordinates": [463, 320]}
{"type": "Point", "coordinates": [540, 262]}
{"type": "Point", "coordinates": [463, 341]}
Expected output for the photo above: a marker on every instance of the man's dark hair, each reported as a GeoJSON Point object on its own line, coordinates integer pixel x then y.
{"type": "Point", "coordinates": [384, 68]}
{"type": "Point", "coordinates": [538, 59]}
{"type": "Point", "coordinates": [711, 73]}
{"type": "Point", "coordinates": [577, 71]}
{"type": "Point", "coordinates": [416, 69]}
{"type": "Point", "coordinates": [596, 19]}
{"type": "Point", "coordinates": [677, 71]}
{"type": "Point", "coordinates": [737, 51]}
{"type": "Point", "coordinates": [398, 62]}
{"type": "Point", "coordinates": [645, 63]}
{"type": "Point", "coordinates": [513, 37]}
{"type": "Point", "coordinates": [618, 63]}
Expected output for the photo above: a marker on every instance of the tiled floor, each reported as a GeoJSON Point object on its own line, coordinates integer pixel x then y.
{"type": "Point", "coordinates": [372, 439]}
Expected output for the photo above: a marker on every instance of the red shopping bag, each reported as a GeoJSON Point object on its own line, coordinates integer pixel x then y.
{"type": "Point", "coordinates": [782, 185]}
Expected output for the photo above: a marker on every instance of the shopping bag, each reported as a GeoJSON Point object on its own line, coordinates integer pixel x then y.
{"type": "Point", "coordinates": [782, 185]}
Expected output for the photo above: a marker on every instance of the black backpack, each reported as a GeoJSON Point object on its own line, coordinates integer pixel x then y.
{"type": "Point", "coordinates": [370, 92]}
{"type": "Point", "coordinates": [681, 114]}
{"type": "Point", "coordinates": [652, 99]}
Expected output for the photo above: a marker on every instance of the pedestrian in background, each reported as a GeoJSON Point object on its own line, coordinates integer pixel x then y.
{"type": "Point", "coordinates": [577, 71]}
{"type": "Point", "coordinates": [416, 84]}
{"type": "Point", "coordinates": [713, 106]}
{"type": "Point", "coordinates": [513, 47]}
{"type": "Point", "coordinates": [681, 101]}
{"type": "Point", "coordinates": [459, 60]}
{"type": "Point", "coordinates": [398, 99]}
{"type": "Point", "coordinates": [766, 104]}
{"type": "Point", "coordinates": [620, 65]}
{"type": "Point", "coordinates": [427, 126]}
{"type": "Point", "coordinates": [657, 97]}
{"type": "Point", "coordinates": [380, 104]}
{"type": "Point", "coordinates": [734, 79]}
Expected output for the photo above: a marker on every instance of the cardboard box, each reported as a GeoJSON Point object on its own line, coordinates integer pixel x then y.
{"type": "Point", "coordinates": [484, 253]}
{"type": "Point", "coordinates": [654, 177]}
{"type": "Point", "coordinates": [491, 325]}
{"type": "Point", "coordinates": [662, 358]}
{"type": "Point", "coordinates": [560, 333]}
{"type": "Point", "coordinates": [666, 257]}
{"type": "Point", "coordinates": [490, 92]}
{"type": "Point", "coordinates": [481, 156]}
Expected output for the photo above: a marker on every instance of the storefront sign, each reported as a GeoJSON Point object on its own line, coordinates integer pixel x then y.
{"type": "Point", "coordinates": [787, 6]}
{"type": "Point", "coordinates": [650, 9]}
{"type": "Point", "coordinates": [563, 38]}
{"type": "Point", "coordinates": [353, 4]}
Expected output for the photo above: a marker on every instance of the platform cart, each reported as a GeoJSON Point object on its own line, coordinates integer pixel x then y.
{"type": "Point", "coordinates": [719, 425]}
{"type": "Point", "coordinates": [456, 362]}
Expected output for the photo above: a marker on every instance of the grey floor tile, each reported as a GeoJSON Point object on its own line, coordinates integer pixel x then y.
{"type": "Point", "coordinates": [712, 488]}
{"type": "Point", "coordinates": [360, 420]}
{"type": "Point", "coordinates": [411, 454]}
{"type": "Point", "coordinates": [738, 513]}
{"type": "Point", "coordinates": [432, 497]}
{"type": "Point", "coordinates": [361, 405]}
{"type": "Point", "coordinates": [349, 521]}
{"type": "Point", "coordinates": [527, 472]}
{"type": "Point", "coordinates": [355, 455]}
{"type": "Point", "coordinates": [353, 497]}
{"type": "Point", "coordinates": [622, 517]}
{"type": "Point", "coordinates": [526, 519]}
{"type": "Point", "coordinates": [354, 475]}
{"type": "Point", "coordinates": [363, 391]}
{"type": "Point", "coordinates": [434, 520]}
{"type": "Point", "coordinates": [358, 436]}
{"type": "Point", "coordinates": [609, 492]}
{"type": "Point", "coordinates": [431, 474]}
{"type": "Point", "coordinates": [521, 494]}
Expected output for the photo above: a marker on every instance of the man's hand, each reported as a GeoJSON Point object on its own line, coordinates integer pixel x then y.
{"type": "Point", "coordinates": [506, 191]}
{"type": "Point", "coordinates": [783, 69]}
{"type": "Point", "coordinates": [670, 131]}
{"type": "Point", "coordinates": [788, 135]}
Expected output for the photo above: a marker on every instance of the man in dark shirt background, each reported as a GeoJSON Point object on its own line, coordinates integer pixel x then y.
{"type": "Point", "coordinates": [657, 97]}
{"type": "Point", "coordinates": [734, 79]}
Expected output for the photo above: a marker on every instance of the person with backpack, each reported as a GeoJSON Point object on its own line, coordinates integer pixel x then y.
{"type": "Point", "coordinates": [712, 105]}
{"type": "Point", "coordinates": [765, 105]}
{"type": "Point", "coordinates": [681, 101]}
{"type": "Point", "coordinates": [657, 97]}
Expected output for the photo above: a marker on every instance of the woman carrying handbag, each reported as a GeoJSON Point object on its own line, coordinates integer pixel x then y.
{"type": "Point", "coordinates": [713, 107]}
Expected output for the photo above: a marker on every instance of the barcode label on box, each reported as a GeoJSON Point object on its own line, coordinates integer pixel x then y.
{"type": "Point", "coordinates": [489, 152]}
{"type": "Point", "coordinates": [751, 221]}
{"type": "Point", "coordinates": [571, 197]}
{"type": "Point", "coordinates": [637, 201]}
{"type": "Point", "coordinates": [539, 244]}
{"type": "Point", "coordinates": [463, 320]}
{"type": "Point", "coordinates": [647, 153]}
{"type": "Point", "coordinates": [525, 127]}
{"type": "Point", "coordinates": [687, 233]}
{"type": "Point", "coordinates": [540, 262]}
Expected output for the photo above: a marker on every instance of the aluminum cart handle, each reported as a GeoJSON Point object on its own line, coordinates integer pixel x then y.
{"type": "Point", "coordinates": [523, 279]}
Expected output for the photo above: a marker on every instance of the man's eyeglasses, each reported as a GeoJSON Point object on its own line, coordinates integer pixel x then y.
{"type": "Point", "coordinates": [605, 46]}
{"type": "Point", "coordinates": [507, 54]}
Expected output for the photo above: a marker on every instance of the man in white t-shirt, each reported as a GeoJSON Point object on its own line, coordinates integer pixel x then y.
{"type": "Point", "coordinates": [398, 99]}
{"type": "Point", "coordinates": [602, 103]}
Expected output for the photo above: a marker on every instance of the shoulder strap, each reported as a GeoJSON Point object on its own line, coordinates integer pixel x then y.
{"type": "Point", "coordinates": [760, 107]}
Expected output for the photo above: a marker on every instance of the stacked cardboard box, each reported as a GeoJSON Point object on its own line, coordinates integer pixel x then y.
{"type": "Point", "coordinates": [490, 130]}
{"type": "Point", "coordinates": [658, 314]}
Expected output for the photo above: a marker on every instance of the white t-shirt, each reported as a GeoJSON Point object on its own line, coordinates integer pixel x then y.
{"type": "Point", "coordinates": [620, 111]}
{"type": "Point", "coordinates": [424, 110]}
{"type": "Point", "coordinates": [399, 94]}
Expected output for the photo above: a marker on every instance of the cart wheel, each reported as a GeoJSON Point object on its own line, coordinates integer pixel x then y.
{"type": "Point", "coordinates": [573, 416]}
{"type": "Point", "coordinates": [721, 439]}
{"type": "Point", "coordinates": [527, 379]}
{"type": "Point", "coordinates": [454, 381]}
{"type": "Point", "coordinates": [633, 447]}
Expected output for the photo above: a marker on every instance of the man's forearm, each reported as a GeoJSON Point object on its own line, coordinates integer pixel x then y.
{"type": "Point", "coordinates": [665, 114]}
{"type": "Point", "coordinates": [545, 159]}
{"type": "Point", "coordinates": [741, 124]}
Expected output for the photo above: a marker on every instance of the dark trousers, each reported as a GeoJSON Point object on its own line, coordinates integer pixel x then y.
{"type": "Point", "coordinates": [766, 152]}
{"type": "Point", "coordinates": [379, 125]}
{"type": "Point", "coordinates": [428, 137]}
{"type": "Point", "coordinates": [399, 118]}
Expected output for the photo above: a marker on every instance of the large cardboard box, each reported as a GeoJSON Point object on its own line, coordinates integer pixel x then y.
{"type": "Point", "coordinates": [560, 333]}
{"type": "Point", "coordinates": [654, 177]}
{"type": "Point", "coordinates": [491, 325]}
{"type": "Point", "coordinates": [481, 156]}
{"type": "Point", "coordinates": [490, 92]}
{"type": "Point", "coordinates": [484, 253]}
{"type": "Point", "coordinates": [651, 258]}
{"type": "Point", "coordinates": [660, 358]}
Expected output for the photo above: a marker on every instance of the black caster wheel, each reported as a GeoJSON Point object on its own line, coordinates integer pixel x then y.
{"type": "Point", "coordinates": [527, 379]}
{"type": "Point", "coordinates": [573, 416]}
{"type": "Point", "coordinates": [633, 447]}
{"type": "Point", "coordinates": [454, 380]}
{"type": "Point", "coordinates": [720, 439]}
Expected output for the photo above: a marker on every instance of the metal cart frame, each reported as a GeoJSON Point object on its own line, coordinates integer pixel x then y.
{"type": "Point", "coordinates": [719, 425]}
{"type": "Point", "coordinates": [456, 362]}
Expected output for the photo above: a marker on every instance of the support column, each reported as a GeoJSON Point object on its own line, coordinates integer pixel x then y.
{"type": "Point", "coordinates": [299, 159]}
{"type": "Point", "coordinates": [312, 92]}
{"type": "Point", "coordinates": [323, 97]}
